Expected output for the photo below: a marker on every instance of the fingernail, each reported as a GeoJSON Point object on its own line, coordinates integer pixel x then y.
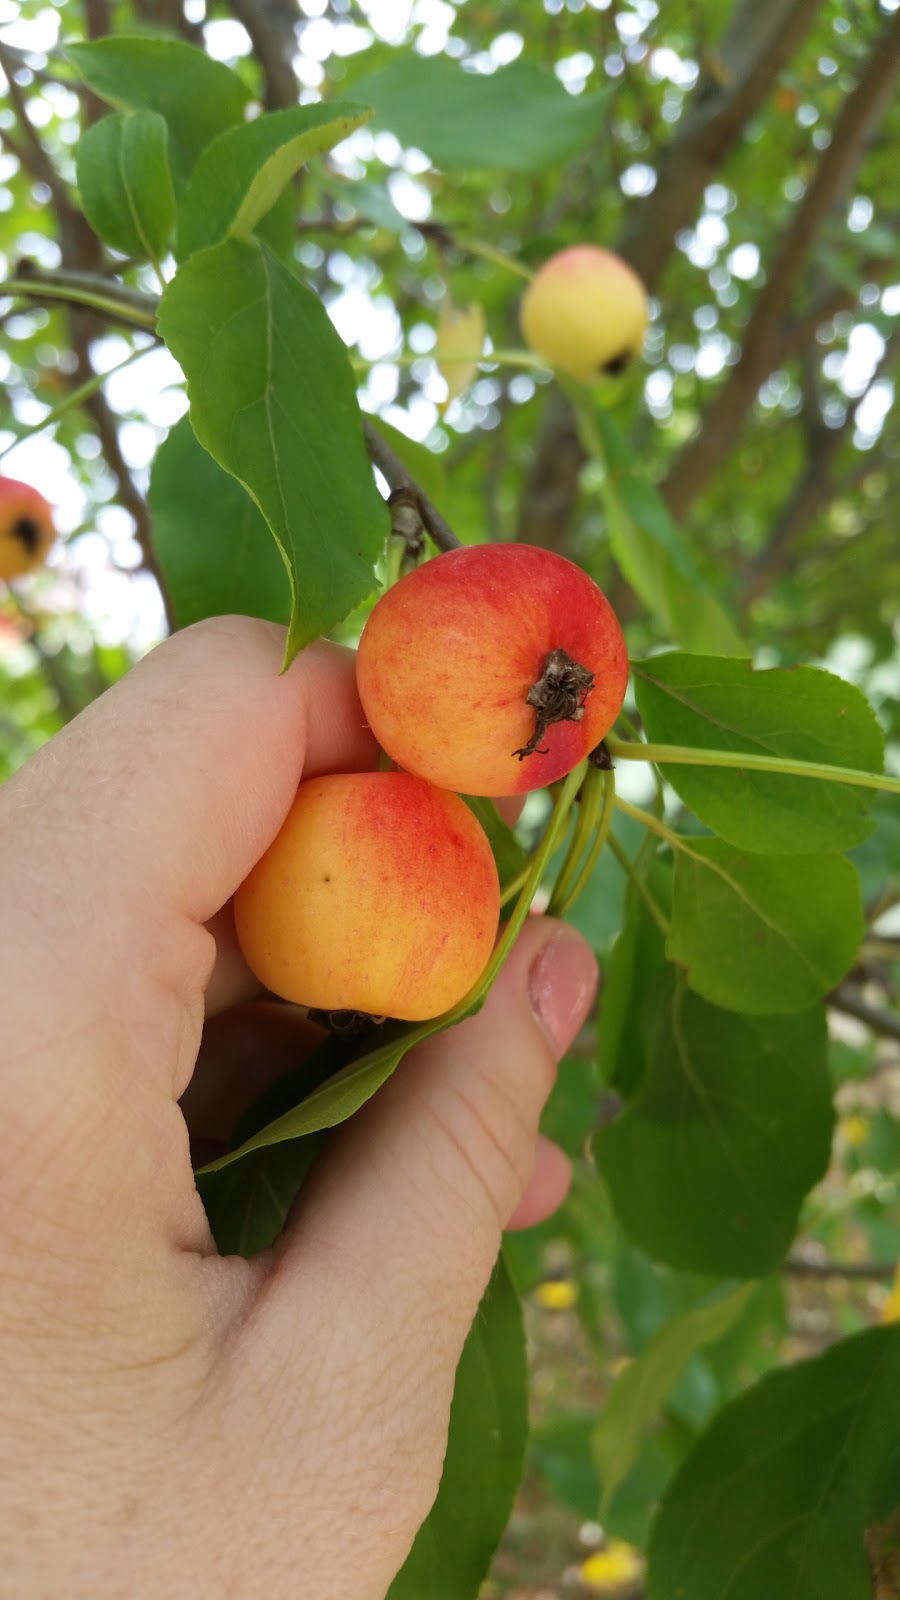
{"type": "Point", "coordinates": [561, 985]}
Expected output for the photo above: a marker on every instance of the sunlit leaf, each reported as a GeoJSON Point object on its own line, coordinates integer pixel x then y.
{"type": "Point", "coordinates": [125, 183]}
{"type": "Point", "coordinates": [197, 96]}
{"type": "Point", "coordinates": [273, 401]}
{"type": "Point", "coordinates": [241, 175]}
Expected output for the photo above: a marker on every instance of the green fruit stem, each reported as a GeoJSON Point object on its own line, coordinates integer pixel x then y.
{"type": "Point", "coordinates": [596, 806]}
{"type": "Point", "coordinates": [536, 869]}
{"type": "Point", "coordinates": [691, 756]}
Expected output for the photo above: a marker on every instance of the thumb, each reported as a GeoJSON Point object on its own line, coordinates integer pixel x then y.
{"type": "Point", "coordinates": [411, 1198]}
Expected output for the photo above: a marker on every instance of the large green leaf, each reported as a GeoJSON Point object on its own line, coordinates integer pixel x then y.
{"type": "Point", "coordinates": [776, 1498]}
{"type": "Point", "coordinates": [241, 175]}
{"type": "Point", "coordinates": [799, 713]}
{"type": "Point", "coordinates": [197, 96]}
{"type": "Point", "coordinates": [729, 1129]}
{"type": "Point", "coordinates": [214, 547]}
{"type": "Point", "coordinates": [485, 1451]}
{"type": "Point", "coordinates": [640, 1389]}
{"type": "Point", "coordinates": [636, 959]}
{"type": "Point", "coordinates": [763, 934]}
{"type": "Point", "coordinates": [125, 183]}
{"type": "Point", "coordinates": [273, 400]}
{"type": "Point", "coordinates": [519, 117]}
{"type": "Point", "coordinates": [653, 554]}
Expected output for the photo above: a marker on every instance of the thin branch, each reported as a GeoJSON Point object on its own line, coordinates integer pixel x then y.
{"type": "Point", "coordinates": [85, 290]}
{"type": "Point", "coordinates": [272, 25]}
{"type": "Point", "coordinates": [850, 1000]}
{"type": "Point", "coordinates": [812, 490]}
{"type": "Point", "coordinates": [30, 151]}
{"type": "Point", "coordinates": [170, 14]}
{"type": "Point", "coordinates": [397, 477]}
{"type": "Point", "coordinates": [764, 339]}
{"type": "Point", "coordinates": [800, 1266]}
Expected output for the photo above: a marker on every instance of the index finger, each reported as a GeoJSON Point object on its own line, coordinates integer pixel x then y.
{"type": "Point", "coordinates": [172, 784]}
{"type": "Point", "coordinates": [137, 823]}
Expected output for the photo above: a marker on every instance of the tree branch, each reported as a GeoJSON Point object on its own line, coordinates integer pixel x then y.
{"type": "Point", "coordinates": [394, 472]}
{"type": "Point", "coordinates": [86, 290]}
{"type": "Point", "coordinates": [272, 26]}
{"type": "Point", "coordinates": [812, 489]}
{"type": "Point", "coordinates": [761, 38]}
{"type": "Point", "coordinates": [170, 14]}
{"type": "Point", "coordinates": [853, 1003]}
{"type": "Point", "coordinates": [800, 1266]}
{"type": "Point", "coordinates": [765, 335]}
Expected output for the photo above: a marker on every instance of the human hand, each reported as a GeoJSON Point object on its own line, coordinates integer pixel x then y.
{"type": "Point", "coordinates": [173, 1422]}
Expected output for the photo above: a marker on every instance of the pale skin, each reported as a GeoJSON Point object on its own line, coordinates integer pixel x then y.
{"type": "Point", "coordinates": [173, 1422]}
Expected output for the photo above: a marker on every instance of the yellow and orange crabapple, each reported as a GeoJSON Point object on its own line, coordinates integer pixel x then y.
{"type": "Point", "coordinates": [379, 895]}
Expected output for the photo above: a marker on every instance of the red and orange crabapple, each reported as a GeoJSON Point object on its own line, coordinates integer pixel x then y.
{"type": "Point", "coordinates": [493, 669]}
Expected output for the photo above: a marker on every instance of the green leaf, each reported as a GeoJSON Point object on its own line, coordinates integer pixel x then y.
{"type": "Point", "coordinates": [125, 183]}
{"type": "Point", "coordinates": [485, 1450]}
{"type": "Point", "coordinates": [241, 175]}
{"type": "Point", "coordinates": [635, 961]}
{"type": "Point", "coordinates": [197, 96]}
{"type": "Point", "coordinates": [273, 400]}
{"type": "Point", "coordinates": [519, 117]}
{"type": "Point", "coordinates": [560, 1450]}
{"type": "Point", "coordinates": [330, 1101]}
{"type": "Point", "coordinates": [247, 1205]}
{"type": "Point", "coordinates": [776, 1497]}
{"type": "Point", "coordinates": [799, 713]}
{"type": "Point", "coordinates": [730, 1128]}
{"type": "Point", "coordinates": [511, 857]}
{"type": "Point", "coordinates": [654, 555]}
{"type": "Point", "coordinates": [763, 934]}
{"type": "Point", "coordinates": [878, 859]}
{"type": "Point", "coordinates": [637, 1394]}
{"type": "Point", "coordinates": [214, 547]}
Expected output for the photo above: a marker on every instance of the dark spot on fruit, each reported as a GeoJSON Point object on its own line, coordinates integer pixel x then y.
{"type": "Point", "coordinates": [326, 877]}
{"type": "Point", "coordinates": [26, 530]}
{"type": "Point", "coordinates": [618, 363]}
